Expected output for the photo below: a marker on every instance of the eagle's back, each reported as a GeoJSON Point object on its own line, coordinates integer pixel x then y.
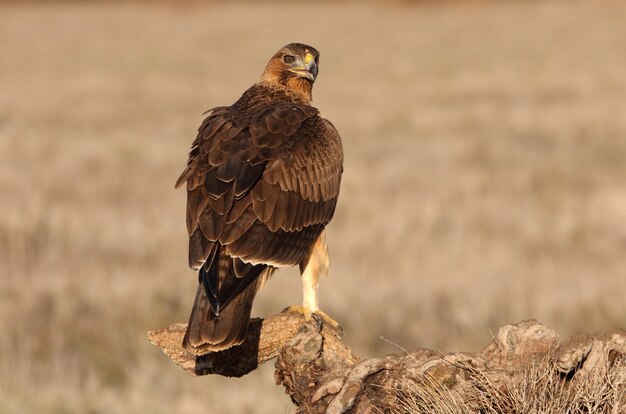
{"type": "Point", "coordinates": [262, 179]}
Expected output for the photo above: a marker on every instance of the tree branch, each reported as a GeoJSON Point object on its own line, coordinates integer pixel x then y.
{"type": "Point", "coordinates": [265, 339]}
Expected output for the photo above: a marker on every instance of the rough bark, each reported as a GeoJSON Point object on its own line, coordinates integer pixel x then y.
{"type": "Point", "coordinates": [321, 375]}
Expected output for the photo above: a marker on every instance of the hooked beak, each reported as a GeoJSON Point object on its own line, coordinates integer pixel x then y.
{"type": "Point", "coordinates": [306, 69]}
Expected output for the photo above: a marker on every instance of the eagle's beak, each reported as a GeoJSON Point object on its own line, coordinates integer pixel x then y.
{"type": "Point", "coordinates": [307, 69]}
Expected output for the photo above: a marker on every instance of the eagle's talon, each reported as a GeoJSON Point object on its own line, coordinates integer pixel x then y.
{"type": "Point", "coordinates": [300, 310]}
{"type": "Point", "coordinates": [319, 316]}
{"type": "Point", "coordinates": [318, 320]}
{"type": "Point", "coordinates": [328, 320]}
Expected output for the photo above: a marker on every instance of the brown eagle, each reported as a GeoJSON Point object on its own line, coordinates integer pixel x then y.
{"type": "Point", "coordinates": [262, 180]}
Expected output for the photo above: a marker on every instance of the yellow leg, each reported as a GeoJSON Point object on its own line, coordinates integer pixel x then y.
{"type": "Point", "coordinates": [316, 264]}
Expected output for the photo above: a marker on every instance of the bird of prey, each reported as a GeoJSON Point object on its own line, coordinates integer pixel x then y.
{"type": "Point", "coordinates": [262, 180]}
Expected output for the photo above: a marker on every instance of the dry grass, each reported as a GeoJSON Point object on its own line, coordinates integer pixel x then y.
{"type": "Point", "coordinates": [484, 184]}
{"type": "Point", "coordinates": [535, 389]}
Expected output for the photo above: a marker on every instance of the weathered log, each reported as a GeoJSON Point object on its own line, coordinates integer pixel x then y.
{"type": "Point", "coordinates": [264, 341]}
{"type": "Point", "coordinates": [321, 375]}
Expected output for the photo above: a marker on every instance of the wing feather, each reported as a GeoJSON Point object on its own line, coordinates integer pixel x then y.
{"type": "Point", "coordinates": [222, 205]}
{"type": "Point", "coordinates": [235, 229]}
{"type": "Point", "coordinates": [197, 201]}
{"type": "Point", "coordinates": [212, 225]}
{"type": "Point", "coordinates": [246, 178]}
{"type": "Point", "coordinates": [215, 186]}
{"type": "Point", "coordinates": [229, 169]}
{"type": "Point", "coordinates": [264, 197]}
{"type": "Point", "coordinates": [199, 249]}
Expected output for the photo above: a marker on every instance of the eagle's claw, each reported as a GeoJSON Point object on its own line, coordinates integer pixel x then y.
{"type": "Point", "coordinates": [319, 315]}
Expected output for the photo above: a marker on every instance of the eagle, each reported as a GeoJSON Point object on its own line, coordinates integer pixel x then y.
{"type": "Point", "coordinates": [262, 179]}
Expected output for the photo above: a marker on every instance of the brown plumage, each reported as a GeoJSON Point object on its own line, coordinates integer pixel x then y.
{"type": "Point", "coordinates": [262, 181]}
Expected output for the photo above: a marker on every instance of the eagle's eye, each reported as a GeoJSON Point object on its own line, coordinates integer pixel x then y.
{"type": "Point", "coordinates": [289, 59]}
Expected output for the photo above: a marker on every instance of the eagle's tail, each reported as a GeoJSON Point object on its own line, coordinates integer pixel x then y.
{"type": "Point", "coordinates": [220, 320]}
{"type": "Point", "coordinates": [209, 333]}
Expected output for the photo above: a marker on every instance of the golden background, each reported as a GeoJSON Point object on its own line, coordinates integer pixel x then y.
{"type": "Point", "coordinates": [485, 182]}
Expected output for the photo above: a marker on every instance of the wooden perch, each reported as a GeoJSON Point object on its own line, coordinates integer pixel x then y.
{"type": "Point", "coordinates": [321, 375]}
{"type": "Point", "coordinates": [265, 338]}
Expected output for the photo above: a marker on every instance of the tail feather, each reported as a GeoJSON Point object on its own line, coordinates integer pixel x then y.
{"type": "Point", "coordinates": [221, 311]}
{"type": "Point", "coordinates": [209, 333]}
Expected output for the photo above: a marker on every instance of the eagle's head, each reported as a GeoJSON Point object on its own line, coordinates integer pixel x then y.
{"type": "Point", "coordinates": [295, 67]}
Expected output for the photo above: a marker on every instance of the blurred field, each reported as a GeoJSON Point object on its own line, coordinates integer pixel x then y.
{"type": "Point", "coordinates": [485, 182]}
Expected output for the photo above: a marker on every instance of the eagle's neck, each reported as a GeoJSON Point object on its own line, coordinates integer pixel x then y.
{"type": "Point", "coordinates": [262, 93]}
{"type": "Point", "coordinates": [297, 88]}
{"type": "Point", "coordinates": [301, 87]}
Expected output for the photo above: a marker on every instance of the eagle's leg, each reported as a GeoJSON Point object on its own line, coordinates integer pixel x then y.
{"type": "Point", "coordinates": [311, 268]}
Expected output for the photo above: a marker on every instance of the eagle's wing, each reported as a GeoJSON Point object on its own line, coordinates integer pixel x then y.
{"type": "Point", "coordinates": [260, 190]}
